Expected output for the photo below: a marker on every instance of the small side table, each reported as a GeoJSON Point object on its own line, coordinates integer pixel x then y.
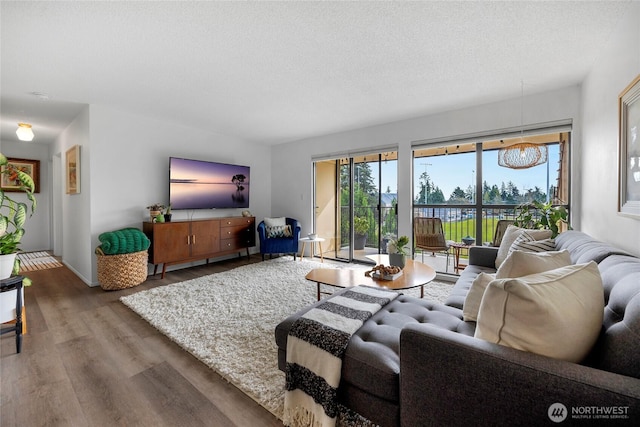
{"type": "Point", "coordinates": [306, 240]}
{"type": "Point", "coordinates": [7, 285]}
{"type": "Point", "coordinates": [457, 247]}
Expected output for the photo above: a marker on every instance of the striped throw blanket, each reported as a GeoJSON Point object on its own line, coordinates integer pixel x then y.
{"type": "Point", "coordinates": [315, 347]}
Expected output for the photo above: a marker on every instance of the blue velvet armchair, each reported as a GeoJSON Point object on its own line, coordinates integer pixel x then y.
{"type": "Point", "coordinates": [279, 245]}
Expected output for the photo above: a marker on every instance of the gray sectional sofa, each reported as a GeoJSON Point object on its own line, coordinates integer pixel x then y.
{"type": "Point", "coordinates": [416, 362]}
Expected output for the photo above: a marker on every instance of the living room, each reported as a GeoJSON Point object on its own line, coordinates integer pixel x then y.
{"type": "Point", "coordinates": [125, 152]}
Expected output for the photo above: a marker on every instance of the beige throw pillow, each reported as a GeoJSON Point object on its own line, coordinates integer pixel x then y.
{"type": "Point", "coordinates": [473, 299]}
{"type": "Point", "coordinates": [521, 263]}
{"type": "Point", "coordinates": [510, 236]}
{"type": "Point", "coordinates": [526, 242]}
{"type": "Point", "coordinates": [557, 313]}
{"type": "Point", "coordinates": [517, 264]}
{"type": "Point", "coordinates": [275, 222]}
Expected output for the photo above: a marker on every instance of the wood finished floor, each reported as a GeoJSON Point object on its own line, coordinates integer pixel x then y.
{"type": "Point", "coordinates": [87, 360]}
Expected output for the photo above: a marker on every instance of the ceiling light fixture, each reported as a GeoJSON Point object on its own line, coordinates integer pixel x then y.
{"type": "Point", "coordinates": [24, 132]}
{"type": "Point", "coordinates": [522, 155]}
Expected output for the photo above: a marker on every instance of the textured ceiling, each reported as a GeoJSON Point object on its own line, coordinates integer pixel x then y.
{"type": "Point", "coordinates": [277, 72]}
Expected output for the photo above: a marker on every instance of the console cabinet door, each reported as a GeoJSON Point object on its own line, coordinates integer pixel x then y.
{"type": "Point", "coordinates": [171, 241]}
{"type": "Point", "coordinates": [205, 238]}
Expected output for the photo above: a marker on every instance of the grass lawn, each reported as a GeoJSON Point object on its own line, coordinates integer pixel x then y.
{"type": "Point", "coordinates": [468, 224]}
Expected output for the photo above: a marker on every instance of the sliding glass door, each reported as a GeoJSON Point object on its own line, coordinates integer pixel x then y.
{"type": "Point", "coordinates": [355, 204]}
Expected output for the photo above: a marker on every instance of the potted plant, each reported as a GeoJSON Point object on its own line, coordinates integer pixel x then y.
{"type": "Point", "coordinates": [397, 250]}
{"type": "Point", "coordinates": [361, 228]}
{"type": "Point", "coordinates": [551, 217]}
{"type": "Point", "coordinates": [155, 210]}
{"type": "Point", "coordinates": [167, 214]}
{"type": "Point", "coordinates": [13, 215]}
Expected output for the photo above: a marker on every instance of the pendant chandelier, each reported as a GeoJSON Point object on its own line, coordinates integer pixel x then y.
{"type": "Point", "coordinates": [522, 155]}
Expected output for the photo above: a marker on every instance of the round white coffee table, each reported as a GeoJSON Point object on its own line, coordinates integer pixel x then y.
{"type": "Point", "coordinates": [306, 240]}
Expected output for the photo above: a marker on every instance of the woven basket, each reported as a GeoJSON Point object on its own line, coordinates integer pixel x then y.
{"type": "Point", "coordinates": [122, 271]}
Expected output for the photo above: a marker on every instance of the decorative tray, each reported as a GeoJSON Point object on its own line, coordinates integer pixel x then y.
{"type": "Point", "coordinates": [379, 276]}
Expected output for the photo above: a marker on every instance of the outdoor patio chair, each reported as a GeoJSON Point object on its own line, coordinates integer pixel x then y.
{"type": "Point", "coordinates": [429, 236]}
{"type": "Point", "coordinates": [501, 227]}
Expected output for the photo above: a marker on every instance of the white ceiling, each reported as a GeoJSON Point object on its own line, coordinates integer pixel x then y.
{"type": "Point", "coordinates": [278, 72]}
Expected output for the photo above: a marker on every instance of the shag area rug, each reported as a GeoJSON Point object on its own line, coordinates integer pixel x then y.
{"type": "Point", "coordinates": [227, 320]}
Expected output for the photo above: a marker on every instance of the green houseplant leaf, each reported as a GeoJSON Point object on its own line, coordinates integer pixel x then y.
{"type": "Point", "coordinates": [14, 214]}
{"type": "Point", "coordinates": [550, 217]}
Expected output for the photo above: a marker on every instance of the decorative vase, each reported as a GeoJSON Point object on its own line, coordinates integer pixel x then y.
{"type": "Point", "coordinates": [6, 265]}
{"type": "Point", "coordinates": [397, 259]}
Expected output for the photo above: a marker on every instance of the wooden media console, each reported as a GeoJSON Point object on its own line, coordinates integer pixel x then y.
{"type": "Point", "coordinates": [179, 242]}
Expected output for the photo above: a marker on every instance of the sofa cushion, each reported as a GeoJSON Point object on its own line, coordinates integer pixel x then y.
{"type": "Point", "coordinates": [372, 362]}
{"type": "Point", "coordinates": [584, 248]}
{"type": "Point", "coordinates": [621, 324]}
{"type": "Point", "coordinates": [510, 236]}
{"type": "Point", "coordinates": [557, 313]}
{"type": "Point", "coordinates": [615, 268]}
{"type": "Point", "coordinates": [517, 264]}
{"type": "Point", "coordinates": [614, 352]}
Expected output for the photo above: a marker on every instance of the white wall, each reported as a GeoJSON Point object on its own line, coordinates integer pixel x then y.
{"type": "Point", "coordinates": [292, 184]}
{"type": "Point", "coordinates": [129, 169]}
{"type": "Point", "coordinates": [73, 221]}
{"type": "Point", "coordinates": [612, 72]}
{"type": "Point", "coordinates": [37, 228]}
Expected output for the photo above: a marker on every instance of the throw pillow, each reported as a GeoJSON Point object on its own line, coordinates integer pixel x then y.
{"type": "Point", "coordinates": [274, 231]}
{"type": "Point", "coordinates": [523, 263]}
{"type": "Point", "coordinates": [510, 236]}
{"type": "Point", "coordinates": [557, 313]}
{"type": "Point", "coordinates": [526, 242]}
{"type": "Point", "coordinates": [517, 264]}
{"type": "Point", "coordinates": [272, 222]}
{"type": "Point", "coordinates": [474, 296]}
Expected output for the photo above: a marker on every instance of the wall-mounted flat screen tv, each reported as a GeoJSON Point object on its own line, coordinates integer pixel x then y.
{"type": "Point", "coordinates": [198, 184]}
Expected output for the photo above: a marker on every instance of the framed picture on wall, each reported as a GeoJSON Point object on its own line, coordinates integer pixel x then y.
{"type": "Point", "coordinates": [629, 149]}
{"type": "Point", "coordinates": [10, 181]}
{"type": "Point", "coordinates": [72, 162]}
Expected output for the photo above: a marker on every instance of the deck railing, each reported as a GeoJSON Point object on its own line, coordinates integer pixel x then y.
{"type": "Point", "coordinates": [458, 221]}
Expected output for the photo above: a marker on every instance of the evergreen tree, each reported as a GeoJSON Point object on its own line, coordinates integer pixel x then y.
{"type": "Point", "coordinates": [469, 193]}
{"type": "Point", "coordinates": [494, 195]}
{"type": "Point", "coordinates": [458, 196]}
{"type": "Point", "coordinates": [437, 196]}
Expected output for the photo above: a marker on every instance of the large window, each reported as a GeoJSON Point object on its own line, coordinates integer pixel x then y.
{"type": "Point", "coordinates": [464, 185]}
